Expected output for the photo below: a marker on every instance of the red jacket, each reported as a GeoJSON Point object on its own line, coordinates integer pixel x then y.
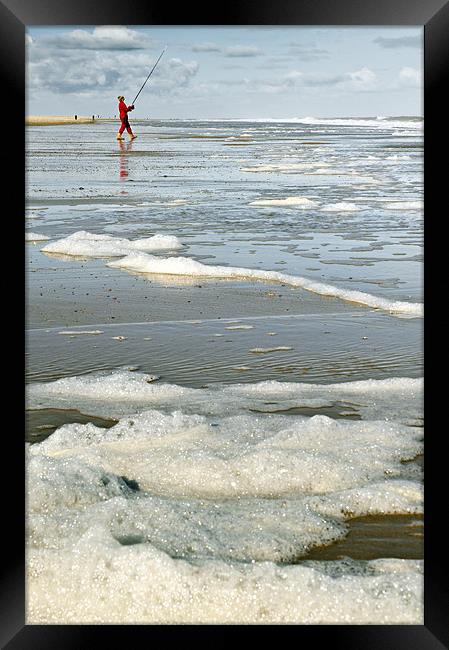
{"type": "Point", "coordinates": [123, 109]}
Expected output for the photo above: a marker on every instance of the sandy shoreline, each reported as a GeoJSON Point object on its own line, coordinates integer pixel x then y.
{"type": "Point", "coordinates": [59, 295]}
{"type": "Point", "coordinates": [51, 120]}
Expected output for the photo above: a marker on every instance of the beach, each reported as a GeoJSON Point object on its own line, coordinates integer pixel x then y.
{"type": "Point", "coordinates": [55, 120]}
{"type": "Point", "coordinates": [224, 372]}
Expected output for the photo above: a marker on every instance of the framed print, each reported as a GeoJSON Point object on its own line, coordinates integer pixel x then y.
{"type": "Point", "coordinates": [224, 317]}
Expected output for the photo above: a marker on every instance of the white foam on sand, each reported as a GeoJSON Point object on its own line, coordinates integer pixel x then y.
{"type": "Point", "coordinates": [120, 392]}
{"type": "Point", "coordinates": [181, 517]}
{"type": "Point", "coordinates": [174, 203]}
{"type": "Point", "coordinates": [285, 168]}
{"type": "Point", "coordinates": [140, 584]}
{"type": "Point", "coordinates": [340, 207]}
{"type": "Point", "coordinates": [193, 456]}
{"type": "Point", "coordinates": [291, 201]}
{"type": "Point", "coordinates": [230, 457]}
{"type": "Point", "coordinates": [240, 327]}
{"type": "Point", "coordinates": [266, 350]}
{"type": "Point", "coordinates": [396, 158]}
{"type": "Point", "coordinates": [405, 205]}
{"type": "Point", "coordinates": [80, 332]}
{"type": "Point", "coordinates": [34, 236]}
{"type": "Point", "coordinates": [85, 244]}
{"type": "Point", "coordinates": [183, 266]}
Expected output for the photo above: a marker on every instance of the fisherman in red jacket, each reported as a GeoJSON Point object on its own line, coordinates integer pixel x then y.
{"type": "Point", "coordinates": [123, 110]}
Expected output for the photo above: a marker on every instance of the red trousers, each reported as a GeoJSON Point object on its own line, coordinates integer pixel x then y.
{"type": "Point", "coordinates": [125, 125]}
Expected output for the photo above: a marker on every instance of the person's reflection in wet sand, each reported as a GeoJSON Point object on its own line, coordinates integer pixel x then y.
{"type": "Point", "coordinates": [125, 148]}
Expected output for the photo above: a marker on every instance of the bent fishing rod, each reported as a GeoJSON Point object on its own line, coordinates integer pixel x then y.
{"type": "Point", "coordinates": [152, 70]}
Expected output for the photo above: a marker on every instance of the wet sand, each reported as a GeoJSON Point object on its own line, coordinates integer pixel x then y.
{"type": "Point", "coordinates": [50, 120]}
{"type": "Point", "coordinates": [377, 536]}
{"type": "Point", "coordinates": [67, 291]}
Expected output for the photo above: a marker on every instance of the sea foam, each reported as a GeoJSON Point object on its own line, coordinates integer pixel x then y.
{"type": "Point", "coordinates": [379, 123]}
{"type": "Point", "coordinates": [405, 205]}
{"type": "Point", "coordinates": [291, 201]}
{"type": "Point", "coordinates": [202, 516]}
{"type": "Point", "coordinates": [85, 244]}
{"type": "Point", "coordinates": [184, 266]}
{"type": "Point", "coordinates": [286, 168]}
{"type": "Point", "coordinates": [340, 207]}
{"type": "Point", "coordinates": [120, 392]}
{"type": "Point", "coordinates": [140, 584]}
{"type": "Point", "coordinates": [242, 455]}
{"type": "Point", "coordinates": [34, 236]}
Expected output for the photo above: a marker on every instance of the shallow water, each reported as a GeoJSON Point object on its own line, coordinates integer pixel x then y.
{"type": "Point", "coordinates": [254, 446]}
{"type": "Point", "coordinates": [130, 189]}
{"type": "Point", "coordinates": [320, 348]}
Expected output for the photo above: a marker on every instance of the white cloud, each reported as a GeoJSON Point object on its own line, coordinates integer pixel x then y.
{"type": "Point", "coordinates": [364, 78]}
{"type": "Point", "coordinates": [399, 41]}
{"type": "Point", "coordinates": [294, 76]}
{"type": "Point", "coordinates": [242, 50]}
{"type": "Point", "coordinates": [410, 77]}
{"type": "Point", "coordinates": [323, 80]}
{"type": "Point", "coordinates": [308, 53]}
{"type": "Point", "coordinates": [101, 72]}
{"type": "Point", "coordinates": [206, 47]}
{"type": "Point", "coordinates": [352, 81]}
{"type": "Point", "coordinates": [102, 38]}
{"type": "Point", "coordinates": [231, 50]}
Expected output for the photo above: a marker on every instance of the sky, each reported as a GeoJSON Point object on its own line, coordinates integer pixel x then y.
{"type": "Point", "coordinates": [225, 72]}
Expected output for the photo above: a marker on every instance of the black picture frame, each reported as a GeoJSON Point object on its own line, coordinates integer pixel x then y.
{"type": "Point", "coordinates": [433, 15]}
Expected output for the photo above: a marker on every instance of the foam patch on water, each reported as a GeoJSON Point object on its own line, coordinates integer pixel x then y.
{"type": "Point", "coordinates": [172, 204]}
{"type": "Point", "coordinates": [266, 350]}
{"type": "Point", "coordinates": [85, 244]}
{"type": "Point", "coordinates": [398, 158]}
{"type": "Point", "coordinates": [184, 266]}
{"type": "Point", "coordinates": [340, 207]}
{"type": "Point", "coordinates": [59, 484]}
{"type": "Point", "coordinates": [80, 332]}
{"type": "Point", "coordinates": [178, 457]}
{"type": "Point", "coordinates": [284, 167]}
{"type": "Point", "coordinates": [239, 327]}
{"type": "Point", "coordinates": [86, 523]}
{"type": "Point", "coordinates": [242, 455]}
{"type": "Point", "coordinates": [243, 529]}
{"type": "Point", "coordinates": [202, 494]}
{"type": "Point", "coordinates": [141, 584]}
{"type": "Point", "coordinates": [392, 497]}
{"type": "Point", "coordinates": [379, 123]}
{"type": "Point", "coordinates": [69, 497]}
{"type": "Point", "coordinates": [405, 205]}
{"type": "Point", "coordinates": [120, 392]}
{"type": "Point", "coordinates": [34, 236]}
{"type": "Point", "coordinates": [291, 201]}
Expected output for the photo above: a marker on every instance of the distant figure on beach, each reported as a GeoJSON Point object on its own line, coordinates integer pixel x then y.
{"type": "Point", "coordinates": [123, 110]}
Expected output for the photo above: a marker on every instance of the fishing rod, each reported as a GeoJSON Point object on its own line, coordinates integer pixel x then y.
{"type": "Point", "coordinates": [149, 75]}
